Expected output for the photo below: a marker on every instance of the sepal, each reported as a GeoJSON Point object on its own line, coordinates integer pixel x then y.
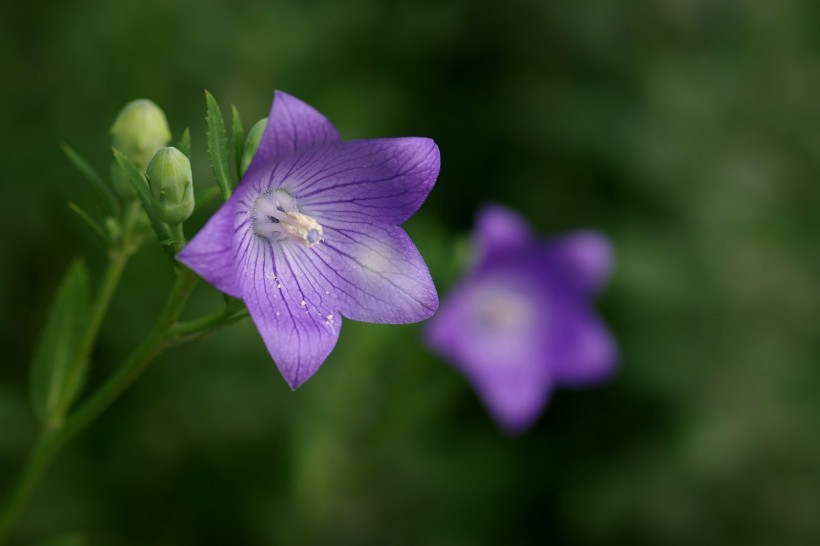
{"type": "Point", "coordinates": [218, 146]}
{"type": "Point", "coordinates": [140, 186]}
{"type": "Point", "coordinates": [252, 143]}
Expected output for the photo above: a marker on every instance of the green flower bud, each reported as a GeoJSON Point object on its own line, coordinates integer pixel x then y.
{"type": "Point", "coordinates": [139, 131]}
{"type": "Point", "coordinates": [170, 180]}
{"type": "Point", "coordinates": [252, 143]}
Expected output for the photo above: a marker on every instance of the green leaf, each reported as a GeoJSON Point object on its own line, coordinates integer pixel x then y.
{"type": "Point", "coordinates": [140, 185]}
{"type": "Point", "coordinates": [56, 350]}
{"type": "Point", "coordinates": [108, 197]}
{"type": "Point", "coordinates": [95, 227]}
{"type": "Point", "coordinates": [218, 146]}
{"type": "Point", "coordinates": [184, 144]}
{"type": "Point", "coordinates": [238, 135]}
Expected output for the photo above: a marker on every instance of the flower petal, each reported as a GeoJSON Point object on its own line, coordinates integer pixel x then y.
{"type": "Point", "coordinates": [210, 254]}
{"type": "Point", "coordinates": [504, 365]}
{"type": "Point", "coordinates": [589, 353]}
{"type": "Point", "coordinates": [363, 181]}
{"type": "Point", "coordinates": [292, 125]}
{"type": "Point", "coordinates": [499, 228]}
{"type": "Point", "coordinates": [374, 273]}
{"type": "Point", "coordinates": [586, 257]}
{"type": "Point", "coordinates": [297, 327]}
{"type": "Point", "coordinates": [515, 401]}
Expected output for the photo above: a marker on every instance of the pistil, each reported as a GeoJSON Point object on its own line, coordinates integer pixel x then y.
{"type": "Point", "coordinates": [276, 217]}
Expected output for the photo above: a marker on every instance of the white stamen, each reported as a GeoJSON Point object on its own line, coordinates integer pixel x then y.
{"type": "Point", "coordinates": [275, 217]}
{"type": "Point", "coordinates": [500, 309]}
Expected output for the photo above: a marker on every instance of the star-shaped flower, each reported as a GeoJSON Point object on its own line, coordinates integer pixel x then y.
{"type": "Point", "coordinates": [521, 322]}
{"type": "Point", "coordinates": [311, 235]}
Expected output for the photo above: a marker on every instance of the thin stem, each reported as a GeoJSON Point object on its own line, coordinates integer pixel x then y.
{"type": "Point", "coordinates": [52, 441]}
{"type": "Point", "coordinates": [118, 257]}
{"type": "Point", "coordinates": [111, 278]}
{"type": "Point", "coordinates": [177, 234]}
{"type": "Point", "coordinates": [152, 345]}
{"type": "Point", "coordinates": [41, 454]}
{"type": "Point", "coordinates": [204, 323]}
{"type": "Point", "coordinates": [193, 335]}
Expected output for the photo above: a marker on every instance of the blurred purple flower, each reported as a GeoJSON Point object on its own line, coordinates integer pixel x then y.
{"type": "Point", "coordinates": [521, 322]}
{"type": "Point", "coordinates": [311, 234]}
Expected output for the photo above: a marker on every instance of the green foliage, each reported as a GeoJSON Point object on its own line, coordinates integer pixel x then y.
{"type": "Point", "coordinates": [184, 144]}
{"type": "Point", "coordinates": [218, 146]}
{"type": "Point", "coordinates": [252, 144]}
{"type": "Point", "coordinates": [85, 217]}
{"type": "Point", "coordinates": [238, 136]}
{"type": "Point", "coordinates": [53, 385]}
{"type": "Point", "coordinates": [687, 130]}
{"type": "Point", "coordinates": [107, 196]}
{"type": "Point", "coordinates": [140, 185]}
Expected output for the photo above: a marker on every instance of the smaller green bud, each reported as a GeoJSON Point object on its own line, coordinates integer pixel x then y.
{"type": "Point", "coordinates": [139, 131]}
{"type": "Point", "coordinates": [171, 183]}
{"type": "Point", "coordinates": [252, 143]}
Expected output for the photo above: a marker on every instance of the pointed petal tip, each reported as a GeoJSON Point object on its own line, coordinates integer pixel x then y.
{"type": "Point", "coordinates": [293, 381]}
{"type": "Point", "coordinates": [298, 376]}
{"type": "Point", "coordinates": [292, 124]}
{"type": "Point", "coordinates": [498, 227]}
{"type": "Point", "coordinates": [278, 94]}
{"type": "Point", "coordinates": [591, 255]}
{"type": "Point", "coordinates": [515, 418]}
{"type": "Point", "coordinates": [516, 427]}
{"type": "Point", "coordinates": [593, 358]}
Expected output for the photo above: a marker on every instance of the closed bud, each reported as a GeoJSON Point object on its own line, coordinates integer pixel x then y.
{"type": "Point", "coordinates": [171, 183]}
{"type": "Point", "coordinates": [139, 131]}
{"type": "Point", "coordinates": [252, 143]}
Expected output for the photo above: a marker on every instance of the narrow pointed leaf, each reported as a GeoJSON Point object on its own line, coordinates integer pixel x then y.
{"type": "Point", "coordinates": [184, 144]}
{"type": "Point", "coordinates": [218, 146]}
{"type": "Point", "coordinates": [140, 185]}
{"type": "Point", "coordinates": [51, 386]}
{"type": "Point", "coordinates": [95, 227]}
{"type": "Point", "coordinates": [238, 135]}
{"type": "Point", "coordinates": [108, 197]}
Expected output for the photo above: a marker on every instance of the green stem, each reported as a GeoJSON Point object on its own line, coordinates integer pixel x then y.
{"type": "Point", "coordinates": [177, 235]}
{"type": "Point", "coordinates": [52, 441]}
{"type": "Point", "coordinates": [111, 278]}
{"type": "Point", "coordinates": [152, 345]}
{"type": "Point", "coordinates": [41, 454]}
{"type": "Point", "coordinates": [196, 326]}
{"type": "Point", "coordinates": [117, 259]}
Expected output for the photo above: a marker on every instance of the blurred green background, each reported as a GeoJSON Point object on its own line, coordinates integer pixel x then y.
{"type": "Point", "coordinates": [688, 130]}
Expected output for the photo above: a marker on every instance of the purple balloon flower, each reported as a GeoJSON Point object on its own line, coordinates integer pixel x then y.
{"type": "Point", "coordinates": [311, 234]}
{"type": "Point", "coordinates": [521, 322]}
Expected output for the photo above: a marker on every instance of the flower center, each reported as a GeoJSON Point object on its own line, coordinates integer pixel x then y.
{"type": "Point", "coordinates": [275, 217]}
{"type": "Point", "coordinates": [498, 309]}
